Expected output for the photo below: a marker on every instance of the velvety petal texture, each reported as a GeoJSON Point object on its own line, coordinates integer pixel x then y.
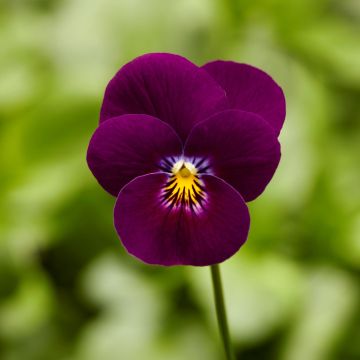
{"type": "Point", "coordinates": [157, 234]}
{"type": "Point", "coordinates": [241, 147]}
{"type": "Point", "coordinates": [250, 89]}
{"type": "Point", "coordinates": [127, 146]}
{"type": "Point", "coordinates": [166, 86]}
{"type": "Point", "coordinates": [183, 148]}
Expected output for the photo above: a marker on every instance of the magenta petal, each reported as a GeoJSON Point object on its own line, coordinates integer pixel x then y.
{"type": "Point", "coordinates": [127, 146]}
{"type": "Point", "coordinates": [241, 147]}
{"type": "Point", "coordinates": [250, 89]}
{"type": "Point", "coordinates": [158, 235]}
{"type": "Point", "coordinates": [166, 86]}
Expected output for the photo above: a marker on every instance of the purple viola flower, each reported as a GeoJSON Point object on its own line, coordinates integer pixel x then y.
{"type": "Point", "coordinates": [183, 148]}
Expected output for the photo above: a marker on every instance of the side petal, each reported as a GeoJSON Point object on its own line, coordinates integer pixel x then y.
{"type": "Point", "coordinates": [250, 89]}
{"type": "Point", "coordinates": [166, 86]}
{"type": "Point", "coordinates": [127, 146]}
{"type": "Point", "coordinates": [241, 148]}
{"type": "Point", "coordinates": [157, 234]}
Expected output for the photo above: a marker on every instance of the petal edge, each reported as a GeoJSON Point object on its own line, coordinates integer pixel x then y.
{"type": "Point", "coordinates": [157, 235]}
{"type": "Point", "coordinates": [241, 147]}
{"type": "Point", "coordinates": [127, 146]}
{"type": "Point", "coordinates": [250, 89]}
{"type": "Point", "coordinates": [166, 86]}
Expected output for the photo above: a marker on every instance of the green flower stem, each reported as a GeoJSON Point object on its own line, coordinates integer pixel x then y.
{"type": "Point", "coordinates": [221, 311]}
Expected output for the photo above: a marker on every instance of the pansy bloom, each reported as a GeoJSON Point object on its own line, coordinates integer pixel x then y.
{"type": "Point", "coordinates": [183, 148]}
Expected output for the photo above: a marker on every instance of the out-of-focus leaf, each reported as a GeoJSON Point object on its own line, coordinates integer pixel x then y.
{"type": "Point", "coordinates": [262, 294]}
{"type": "Point", "coordinates": [330, 303]}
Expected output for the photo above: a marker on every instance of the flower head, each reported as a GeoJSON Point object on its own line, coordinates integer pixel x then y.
{"type": "Point", "coordinates": [183, 148]}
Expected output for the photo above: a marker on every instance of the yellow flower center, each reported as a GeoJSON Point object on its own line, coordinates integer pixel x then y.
{"type": "Point", "coordinates": [185, 172]}
{"type": "Point", "coordinates": [184, 186]}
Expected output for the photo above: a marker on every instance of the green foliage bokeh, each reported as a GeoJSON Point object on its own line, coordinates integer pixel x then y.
{"type": "Point", "coordinates": [68, 290]}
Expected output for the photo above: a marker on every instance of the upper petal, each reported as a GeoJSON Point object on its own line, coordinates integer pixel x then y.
{"type": "Point", "coordinates": [166, 86]}
{"type": "Point", "coordinates": [250, 89]}
{"type": "Point", "coordinates": [159, 234]}
{"type": "Point", "coordinates": [241, 148]}
{"type": "Point", "coordinates": [128, 146]}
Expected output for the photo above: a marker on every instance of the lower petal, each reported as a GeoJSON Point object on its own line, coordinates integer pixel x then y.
{"type": "Point", "coordinates": [160, 234]}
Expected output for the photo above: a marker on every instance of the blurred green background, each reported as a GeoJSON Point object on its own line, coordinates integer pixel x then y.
{"type": "Point", "coordinates": [68, 290]}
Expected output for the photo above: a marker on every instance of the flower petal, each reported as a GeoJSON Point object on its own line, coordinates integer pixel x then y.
{"type": "Point", "coordinates": [250, 89]}
{"type": "Point", "coordinates": [157, 234]}
{"type": "Point", "coordinates": [166, 86]}
{"type": "Point", "coordinates": [127, 146]}
{"type": "Point", "coordinates": [241, 148]}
